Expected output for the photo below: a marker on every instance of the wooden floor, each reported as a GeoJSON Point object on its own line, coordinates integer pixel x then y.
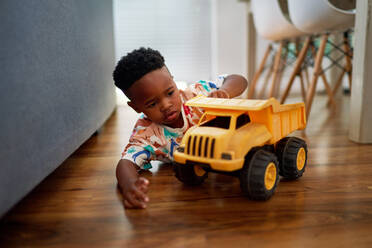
{"type": "Point", "coordinates": [79, 205]}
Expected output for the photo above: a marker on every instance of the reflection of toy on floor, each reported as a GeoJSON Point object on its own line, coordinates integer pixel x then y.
{"type": "Point", "coordinates": [244, 138]}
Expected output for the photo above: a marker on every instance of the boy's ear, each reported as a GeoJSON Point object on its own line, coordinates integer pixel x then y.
{"type": "Point", "coordinates": [133, 106]}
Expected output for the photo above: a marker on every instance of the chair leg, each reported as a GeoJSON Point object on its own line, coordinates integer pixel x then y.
{"type": "Point", "coordinates": [276, 69]}
{"type": "Point", "coordinates": [316, 74]}
{"type": "Point", "coordinates": [303, 94]}
{"type": "Point", "coordinates": [281, 72]}
{"type": "Point", "coordinates": [266, 81]}
{"type": "Point", "coordinates": [305, 80]}
{"type": "Point", "coordinates": [337, 85]}
{"type": "Point", "coordinates": [297, 68]}
{"type": "Point", "coordinates": [328, 89]}
{"type": "Point", "coordinates": [258, 73]}
{"type": "Point", "coordinates": [307, 77]}
{"type": "Point", "coordinates": [339, 81]}
{"type": "Point", "coordinates": [301, 73]}
{"type": "Point", "coordinates": [325, 81]}
{"type": "Point", "coordinates": [348, 56]}
{"type": "Point", "coordinates": [347, 68]}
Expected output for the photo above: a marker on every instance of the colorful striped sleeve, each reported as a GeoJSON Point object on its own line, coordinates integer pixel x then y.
{"type": "Point", "coordinates": [205, 87]}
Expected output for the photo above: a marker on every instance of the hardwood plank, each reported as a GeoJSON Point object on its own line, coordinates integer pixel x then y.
{"type": "Point", "coordinates": [79, 205]}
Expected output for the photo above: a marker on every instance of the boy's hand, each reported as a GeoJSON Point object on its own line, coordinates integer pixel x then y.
{"type": "Point", "coordinates": [133, 187]}
{"type": "Point", "coordinates": [219, 94]}
{"type": "Point", "coordinates": [135, 193]}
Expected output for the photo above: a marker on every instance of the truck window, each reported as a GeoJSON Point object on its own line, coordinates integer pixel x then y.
{"type": "Point", "coordinates": [242, 120]}
{"type": "Point", "coordinates": [219, 121]}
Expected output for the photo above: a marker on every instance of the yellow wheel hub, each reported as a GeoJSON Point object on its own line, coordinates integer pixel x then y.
{"type": "Point", "coordinates": [301, 158]}
{"type": "Point", "coordinates": [270, 176]}
{"type": "Point", "coordinates": [199, 171]}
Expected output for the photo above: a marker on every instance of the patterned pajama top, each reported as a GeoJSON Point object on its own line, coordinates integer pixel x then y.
{"type": "Point", "coordinates": [151, 141]}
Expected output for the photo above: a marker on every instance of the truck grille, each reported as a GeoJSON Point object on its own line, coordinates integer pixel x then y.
{"type": "Point", "coordinates": [200, 146]}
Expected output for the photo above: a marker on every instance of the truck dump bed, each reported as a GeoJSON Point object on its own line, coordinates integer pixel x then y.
{"type": "Point", "coordinates": [280, 119]}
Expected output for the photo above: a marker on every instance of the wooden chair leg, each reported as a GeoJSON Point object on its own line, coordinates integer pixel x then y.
{"type": "Point", "coordinates": [276, 69]}
{"type": "Point", "coordinates": [316, 74]}
{"type": "Point", "coordinates": [281, 72]}
{"type": "Point", "coordinates": [303, 94]}
{"type": "Point", "coordinates": [258, 73]}
{"type": "Point", "coordinates": [339, 81]}
{"type": "Point", "coordinates": [307, 77]}
{"type": "Point", "coordinates": [337, 85]}
{"type": "Point", "coordinates": [325, 81]}
{"type": "Point", "coordinates": [297, 68]}
{"type": "Point", "coordinates": [347, 68]}
{"type": "Point", "coordinates": [303, 90]}
{"type": "Point", "coordinates": [348, 55]}
{"type": "Point", "coordinates": [328, 89]}
{"type": "Point", "coordinates": [305, 80]}
{"type": "Point", "coordinates": [349, 75]}
{"type": "Point", "coordinates": [266, 82]}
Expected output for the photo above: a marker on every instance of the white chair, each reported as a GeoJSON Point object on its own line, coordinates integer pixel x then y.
{"type": "Point", "coordinates": [272, 22]}
{"type": "Point", "coordinates": [318, 16]}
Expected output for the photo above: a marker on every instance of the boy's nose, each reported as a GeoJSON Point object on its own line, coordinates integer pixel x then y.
{"type": "Point", "coordinates": [165, 105]}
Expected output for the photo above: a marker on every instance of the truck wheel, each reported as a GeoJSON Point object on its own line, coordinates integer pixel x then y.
{"type": "Point", "coordinates": [190, 174]}
{"type": "Point", "coordinates": [259, 176]}
{"type": "Point", "coordinates": [292, 154]}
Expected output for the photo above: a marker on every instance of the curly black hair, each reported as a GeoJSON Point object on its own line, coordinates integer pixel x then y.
{"type": "Point", "coordinates": [135, 65]}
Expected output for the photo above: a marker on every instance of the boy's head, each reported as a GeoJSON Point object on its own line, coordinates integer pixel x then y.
{"type": "Point", "coordinates": [146, 81]}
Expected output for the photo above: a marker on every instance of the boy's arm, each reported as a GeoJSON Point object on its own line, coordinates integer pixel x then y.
{"type": "Point", "coordinates": [233, 86]}
{"type": "Point", "coordinates": [133, 187]}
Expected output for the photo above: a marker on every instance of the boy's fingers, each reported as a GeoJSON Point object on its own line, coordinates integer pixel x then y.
{"type": "Point", "coordinates": [212, 94]}
{"type": "Point", "coordinates": [142, 184]}
{"type": "Point", "coordinates": [144, 188]}
{"type": "Point", "coordinates": [219, 94]}
{"type": "Point", "coordinates": [127, 204]}
{"type": "Point", "coordinates": [223, 94]}
{"type": "Point", "coordinates": [136, 203]}
{"type": "Point", "coordinates": [140, 195]}
{"type": "Point", "coordinates": [142, 181]}
{"type": "Point", "coordinates": [216, 94]}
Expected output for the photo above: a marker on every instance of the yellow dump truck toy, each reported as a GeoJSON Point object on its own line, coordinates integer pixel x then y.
{"type": "Point", "coordinates": [244, 138]}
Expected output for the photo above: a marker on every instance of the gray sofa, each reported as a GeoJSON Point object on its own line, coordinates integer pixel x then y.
{"type": "Point", "coordinates": [56, 89]}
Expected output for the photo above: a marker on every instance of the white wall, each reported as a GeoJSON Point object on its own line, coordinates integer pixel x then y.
{"type": "Point", "coordinates": [180, 30]}
{"type": "Point", "coordinates": [229, 37]}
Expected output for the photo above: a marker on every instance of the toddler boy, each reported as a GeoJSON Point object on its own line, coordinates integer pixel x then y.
{"type": "Point", "coordinates": [146, 81]}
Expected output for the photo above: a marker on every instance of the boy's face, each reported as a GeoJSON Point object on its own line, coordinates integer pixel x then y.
{"type": "Point", "coordinates": [157, 96]}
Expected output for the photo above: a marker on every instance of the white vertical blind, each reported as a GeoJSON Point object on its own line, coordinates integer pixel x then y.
{"type": "Point", "coordinates": [179, 29]}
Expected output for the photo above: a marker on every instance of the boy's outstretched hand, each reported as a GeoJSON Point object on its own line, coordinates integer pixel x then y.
{"type": "Point", "coordinates": [133, 188]}
{"type": "Point", "coordinates": [135, 193]}
{"type": "Point", "coordinates": [220, 93]}
{"type": "Point", "coordinates": [233, 86]}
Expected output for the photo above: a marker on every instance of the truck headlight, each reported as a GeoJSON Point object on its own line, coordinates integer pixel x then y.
{"type": "Point", "coordinates": [181, 149]}
{"type": "Point", "coordinates": [226, 156]}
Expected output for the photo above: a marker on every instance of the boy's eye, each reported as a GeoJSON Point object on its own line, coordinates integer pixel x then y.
{"type": "Point", "coordinates": [151, 105]}
{"type": "Point", "coordinates": [170, 93]}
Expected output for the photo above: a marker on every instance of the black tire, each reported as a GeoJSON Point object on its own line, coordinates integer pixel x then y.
{"type": "Point", "coordinates": [187, 175]}
{"type": "Point", "coordinates": [292, 155]}
{"type": "Point", "coordinates": [258, 165]}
